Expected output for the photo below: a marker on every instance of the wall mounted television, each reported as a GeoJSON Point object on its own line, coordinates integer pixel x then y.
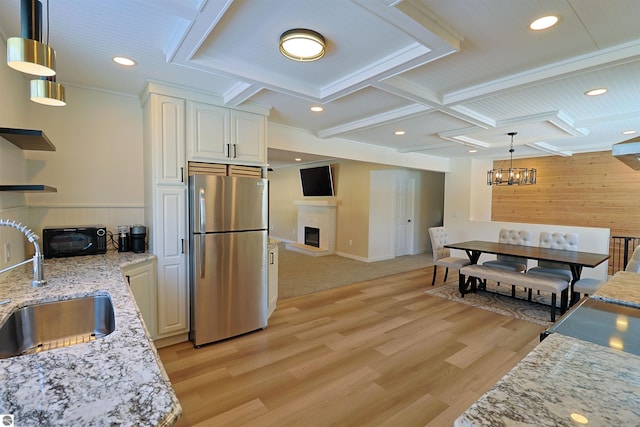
{"type": "Point", "coordinates": [317, 181]}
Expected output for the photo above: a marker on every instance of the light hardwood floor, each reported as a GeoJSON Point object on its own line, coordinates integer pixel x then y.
{"type": "Point", "coordinates": [370, 354]}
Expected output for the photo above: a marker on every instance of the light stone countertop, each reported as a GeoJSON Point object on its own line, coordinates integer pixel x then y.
{"type": "Point", "coordinates": [114, 380]}
{"type": "Point", "coordinates": [560, 377]}
{"type": "Point", "coordinates": [623, 288]}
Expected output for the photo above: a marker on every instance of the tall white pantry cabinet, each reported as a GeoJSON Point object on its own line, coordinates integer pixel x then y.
{"type": "Point", "coordinates": [182, 126]}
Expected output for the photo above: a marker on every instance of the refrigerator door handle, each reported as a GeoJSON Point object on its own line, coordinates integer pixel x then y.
{"type": "Point", "coordinates": [202, 256]}
{"type": "Point", "coordinates": [203, 205]}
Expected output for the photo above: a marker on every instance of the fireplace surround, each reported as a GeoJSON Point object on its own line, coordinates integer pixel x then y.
{"type": "Point", "coordinates": [320, 215]}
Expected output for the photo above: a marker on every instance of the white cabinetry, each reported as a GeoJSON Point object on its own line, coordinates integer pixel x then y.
{"type": "Point", "coordinates": [272, 262]}
{"type": "Point", "coordinates": [166, 210]}
{"type": "Point", "coordinates": [142, 281]}
{"type": "Point", "coordinates": [217, 134]}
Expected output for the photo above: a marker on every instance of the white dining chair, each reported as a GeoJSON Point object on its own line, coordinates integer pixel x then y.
{"type": "Point", "coordinates": [588, 286]}
{"type": "Point", "coordinates": [508, 262]}
{"type": "Point", "coordinates": [562, 241]}
{"type": "Point", "coordinates": [441, 255]}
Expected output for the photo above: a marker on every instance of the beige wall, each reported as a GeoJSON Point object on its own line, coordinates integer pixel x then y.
{"type": "Point", "coordinates": [352, 182]}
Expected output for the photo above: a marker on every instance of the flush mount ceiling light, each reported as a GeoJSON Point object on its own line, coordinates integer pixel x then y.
{"type": "Point", "coordinates": [47, 91]}
{"type": "Point", "coordinates": [302, 45]}
{"type": "Point", "coordinates": [544, 23]}
{"type": "Point", "coordinates": [316, 109]}
{"type": "Point", "coordinates": [514, 176]}
{"type": "Point", "coordinates": [28, 54]}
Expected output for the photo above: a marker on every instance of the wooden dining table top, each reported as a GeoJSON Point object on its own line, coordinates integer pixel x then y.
{"type": "Point", "coordinates": [577, 258]}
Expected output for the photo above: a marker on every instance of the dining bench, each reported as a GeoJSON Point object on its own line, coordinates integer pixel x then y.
{"type": "Point", "coordinates": [552, 285]}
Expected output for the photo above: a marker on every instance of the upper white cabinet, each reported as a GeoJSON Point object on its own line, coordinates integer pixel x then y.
{"type": "Point", "coordinates": [216, 134]}
{"type": "Point", "coordinates": [165, 124]}
{"type": "Point", "coordinates": [207, 131]}
{"type": "Point", "coordinates": [247, 137]}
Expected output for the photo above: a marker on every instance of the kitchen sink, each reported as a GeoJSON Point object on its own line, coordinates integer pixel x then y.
{"type": "Point", "coordinates": [51, 325]}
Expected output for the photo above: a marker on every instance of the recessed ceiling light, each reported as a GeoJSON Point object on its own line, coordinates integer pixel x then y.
{"type": "Point", "coordinates": [544, 23]}
{"type": "Point", "coordinates": [298, 159]}
{"type": "Point", "coordinates": [628, 132]}
{"type": "Point", "coordinates": [127, 62]}
{"type": "Point", "coordinates": [399, 132]}
{"type": "Point", "coordinates": [596, 92]}
{"type": "Point", "coordinates": [473, 151]}
{"type": "Point", "coordinates": [316, 109]}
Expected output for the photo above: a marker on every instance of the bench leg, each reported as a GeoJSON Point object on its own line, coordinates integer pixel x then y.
{"type": "Point", "coordinates": [564, 301]}
{"type": "Point", "coordinates": [446, 273]}
{"type": "Point", "coordinates": [553, 307]}
{"type": "Point", "coordinates": [461, 284]}
{"type": "Point", "coordinates": [513, 291]}
{"type": "Point", "coordinates": [435, 270]}
{"type": "Point", "coordinates": [529, 295]}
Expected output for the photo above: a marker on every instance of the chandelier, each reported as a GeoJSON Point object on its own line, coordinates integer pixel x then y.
{"type": "Point", "coordinates": [511, 176]}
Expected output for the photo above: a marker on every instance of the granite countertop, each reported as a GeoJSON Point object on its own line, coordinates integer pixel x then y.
{"type": "Point", "coordinates": [114, 380]}
{"type": "Point", "coordinates": [563, 376]}
{"type": "Point", "coordinates": [623, 288]}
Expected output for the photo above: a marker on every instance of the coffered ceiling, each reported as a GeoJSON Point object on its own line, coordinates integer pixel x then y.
{"type": "Point", "coordinates": [455, 75]}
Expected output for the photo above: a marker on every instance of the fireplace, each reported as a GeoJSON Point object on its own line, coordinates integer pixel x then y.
{"type": "Point", "coordinates": [316, 232]}
{"type": "Point", "coordinates": [312, 236]}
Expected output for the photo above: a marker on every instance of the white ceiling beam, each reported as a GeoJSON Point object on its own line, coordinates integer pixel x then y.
{"type": "Point", "coordinates": [376, 120]}
{"type": "Point", "coordinates": [578, 64]}
{"type": "Point", "coordinates": [241, 92]}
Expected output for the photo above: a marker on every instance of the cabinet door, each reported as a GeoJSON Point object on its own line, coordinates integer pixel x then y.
{"type": "Point", "coordinates": [273, 278]}
{"type": "Point", "coordinates": [207, 132]}
{"type": "Point", "coordinates": [248, 137]}
{"type": "Point", "coordinates": [169, 139]}
{"type": "Point", "coordinates": [173, 292]}
{"type": "Point", "coordinates": [142, 281]}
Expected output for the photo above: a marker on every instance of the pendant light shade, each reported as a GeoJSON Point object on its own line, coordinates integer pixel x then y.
{"type": "Point", "coordinates": [27, 53]}
{"type": "Point", "coordinates": [31, 57]}
{"type": "Point", "coordinates": [47, 91]}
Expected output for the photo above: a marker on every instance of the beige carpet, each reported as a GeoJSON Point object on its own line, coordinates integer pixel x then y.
{"type": "Point", "coordinates": [300, 274]}
{"type": "Point", "coordinates": [499, 301]}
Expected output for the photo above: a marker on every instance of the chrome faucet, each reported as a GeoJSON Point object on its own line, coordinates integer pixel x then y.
{"type": "Point", "coordinates": [38, 258]}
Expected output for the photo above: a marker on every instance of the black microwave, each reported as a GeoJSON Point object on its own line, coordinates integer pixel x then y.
{"type": "Point", "coordinates": [74, 241]}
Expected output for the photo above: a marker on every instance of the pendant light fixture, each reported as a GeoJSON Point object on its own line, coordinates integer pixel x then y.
{"type": "Point", "coordinates": [302, 45]}
{"type": "Point", "coordinates": [47, 91]}
{"type": "Point", "coordinates": [27, 53]}
{"type": "Point", "coordinates": [512, 176]}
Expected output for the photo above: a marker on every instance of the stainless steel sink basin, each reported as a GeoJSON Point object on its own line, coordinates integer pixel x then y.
{"type": "Point", "coordinates": [56, 324]}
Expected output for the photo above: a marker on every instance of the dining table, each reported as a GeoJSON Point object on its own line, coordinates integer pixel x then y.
{"type": "Point", "coordinates": [576, 260]}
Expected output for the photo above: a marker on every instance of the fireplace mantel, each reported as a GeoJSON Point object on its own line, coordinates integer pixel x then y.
{"type": "Point", "coordinates": [323, 202]}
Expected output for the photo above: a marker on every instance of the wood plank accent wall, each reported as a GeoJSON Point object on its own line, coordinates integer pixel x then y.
{"type": "Point", "coordinates": [587, 190]}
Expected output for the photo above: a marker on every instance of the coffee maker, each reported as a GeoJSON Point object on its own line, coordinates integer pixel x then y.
{"type": "Point", "coordinates": [123, 238]}
{"type": "Point", "coordinates": [138, 238]}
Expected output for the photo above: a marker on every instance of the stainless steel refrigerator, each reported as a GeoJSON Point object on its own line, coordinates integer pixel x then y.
{"type": "Point", "coordinates": [228, 248]}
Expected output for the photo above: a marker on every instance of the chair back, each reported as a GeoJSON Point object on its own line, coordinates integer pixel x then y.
{"type": "Point", "coordinates": [513, 237]}
{"type": "Point", "coordinates": [438, 236]}
{"type": "Point", "coordinates": [562, 241]}
{"type": "Point", "coordinates": [634, 263]}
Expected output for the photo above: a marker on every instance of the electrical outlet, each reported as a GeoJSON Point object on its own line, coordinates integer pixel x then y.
{"type": "Point", "coordinates": [350, 242]}
{"type": "Point", "coordinates": [7, 252]}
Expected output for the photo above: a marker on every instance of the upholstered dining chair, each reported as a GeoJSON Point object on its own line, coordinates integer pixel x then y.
{"type": "Point", "coordinates": [441, 255]}
{"type": "Point", "coordinates": [588, 286]}
{"type": "Point", "coordinates": [507, 262]}
{"type": "Point", "coordinates": [562, 241]}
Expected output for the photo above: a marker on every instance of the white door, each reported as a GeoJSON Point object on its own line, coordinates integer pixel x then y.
{"type": "Point", "coordinates": [405, 199]}
{"type": "Point", "coordinates": [381, 217]}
